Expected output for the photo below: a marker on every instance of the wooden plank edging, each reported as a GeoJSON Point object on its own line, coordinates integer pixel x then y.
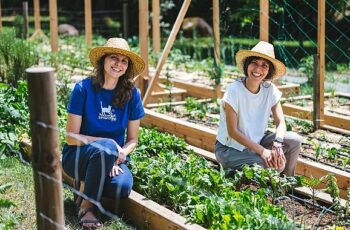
{"type": "Point", "coordinates": [335, 120]}
{"type": "Point", "coordinates": [204, 91]}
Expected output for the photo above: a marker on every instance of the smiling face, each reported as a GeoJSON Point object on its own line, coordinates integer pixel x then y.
{"type": "Point", "coordinates": [258, 69]}
{"type": "Point", "coordinates": [115, 66]}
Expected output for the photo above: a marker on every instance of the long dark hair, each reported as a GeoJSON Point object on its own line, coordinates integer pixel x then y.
{"type": "Point", "coordinates": [250, 59]}
{"type": "Point", "coordinates": [123, 90]}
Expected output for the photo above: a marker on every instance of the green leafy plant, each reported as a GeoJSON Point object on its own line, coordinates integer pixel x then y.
{"type": "Point", "coordinates": [172, 175]}
{"type": "Point", "coordinates": [194, 108]}
{"type": "Point", "coordinates": [16, 55]}
{"type": "Point", "coordinates": [333, 190]}
{"type": "Point", "coordinates": [313, 183]}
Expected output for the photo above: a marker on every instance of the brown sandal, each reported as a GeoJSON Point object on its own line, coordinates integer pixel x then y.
{"type": "Point", "coordinates": [82, 213]}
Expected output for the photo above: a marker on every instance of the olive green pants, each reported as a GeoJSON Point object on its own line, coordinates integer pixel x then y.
{"type": "Point", "coordinates": [231, 158]}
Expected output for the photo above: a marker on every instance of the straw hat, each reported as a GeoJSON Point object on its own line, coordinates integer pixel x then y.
{"type": "Point", "coordinates": [264, 50]}
{"type": "Point", "coordinates": [117, 46]}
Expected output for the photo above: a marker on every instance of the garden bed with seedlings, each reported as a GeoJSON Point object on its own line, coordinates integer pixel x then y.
{"type": "Point", "coordinates": [336, 109]}
{"type": "Point", "coordinates": [173, 175]}
{"type": "Point", "coordinates": [323, 146]}
{"type": "Point", "coordinates": [196, 120]}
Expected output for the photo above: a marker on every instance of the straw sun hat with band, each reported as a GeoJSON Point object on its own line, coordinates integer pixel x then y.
{"type": "Point", "coordinates": [117, 46]}
{"type": "Point", "coordinates": [264, 50]}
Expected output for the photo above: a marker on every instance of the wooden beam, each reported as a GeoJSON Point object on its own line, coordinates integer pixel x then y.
{"type": "Point", "coordinates": [297, 111]}
{"type": "Point", "coordinates": [144, 38]}
{"type": "Point", "coordinates": [167, 48]}
{"type": "Point", "coordinates": [330, 119]}
{"type": "Point", "coordinates": [53, 25]}
{"type": "Point", "coordinates": [320, 64]}
{"type": "Point", "coordinates": [88, 24]}
{"type": "Point", "coordinates": [204, 91]}
{"type": "Point", "coordinates": [147, 214]}
{"type": "Point", "coordinates": [264, 20]}
{"type": "Point", "coordinates": [156, 26]}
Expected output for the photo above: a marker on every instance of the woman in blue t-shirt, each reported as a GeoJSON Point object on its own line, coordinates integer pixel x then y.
{"type": "Point", "coordinates": [104, 115]}
{"type": "Point", "coordinates": [245, 110]}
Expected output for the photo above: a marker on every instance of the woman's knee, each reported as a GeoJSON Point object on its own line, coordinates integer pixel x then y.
{"type": "Point", "coordinates": [293, 139]}
{"type": "Point", "coordinates": [105, 145]}
{"type": "Point", "coordinates": [120, 187]}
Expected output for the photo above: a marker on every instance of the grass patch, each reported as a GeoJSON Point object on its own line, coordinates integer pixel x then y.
{"type": "Point", "coordinates": [17, 202]}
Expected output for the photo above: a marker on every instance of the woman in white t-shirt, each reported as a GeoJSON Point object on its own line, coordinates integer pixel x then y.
{"type": "Point", "coordinates": [244, 113]}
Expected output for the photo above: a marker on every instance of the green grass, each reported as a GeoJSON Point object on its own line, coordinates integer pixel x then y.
{"type": "Point", "coordinates": [17, 200]}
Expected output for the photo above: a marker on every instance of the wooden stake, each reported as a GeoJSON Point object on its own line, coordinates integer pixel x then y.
{"type": "Point", "coordinates": [25, 19]}
{"type": "Point", "coordinates": [144, 38]}
{"type": "Point", "coordinates": [167, 48]}
{"type": "Point", "coordinates": [264, 20]}
{"type": "Point", "coordinates": [37, 24]}
{"type": "Point", "coordinates": [47, 170]}
{"type": "Point", "coordinates": [88, 25]}
{"type": "Point", "coordinates": [125, 19]}
{"type": "Point", "coordinates": [216, 27]}
{"type": "Point", "coordinates": [155, 26]}
{"type": "Point", "coordinates": [53, 25]}
{"type": "Point", "coordinates": [319, 67]}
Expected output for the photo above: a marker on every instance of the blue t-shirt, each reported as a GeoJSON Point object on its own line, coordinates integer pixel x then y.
{"type": "Point", "coordinates": [99, 117]}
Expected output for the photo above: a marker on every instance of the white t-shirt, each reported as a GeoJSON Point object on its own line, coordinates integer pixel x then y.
{"type": "Point", "coordinates": [253, 111]}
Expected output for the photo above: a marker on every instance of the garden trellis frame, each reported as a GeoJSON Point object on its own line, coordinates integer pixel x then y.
{"type": "Point", "coordinates": [154, 83]}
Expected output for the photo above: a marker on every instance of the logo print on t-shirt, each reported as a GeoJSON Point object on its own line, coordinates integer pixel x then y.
{"type": "Point", "coordinates": [107, 113]}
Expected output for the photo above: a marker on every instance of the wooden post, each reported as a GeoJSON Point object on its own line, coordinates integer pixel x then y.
{"type": "Point", "coordinates": [155, 26]}
{"type": "Point", "coordinates": [216, 28]}
{"type": "Point", "coordinates": [53, 25]}
{"type": "Point", "coordinates": [316, 86]}
{"type": "Point", "coordinates": [25, 19]}
{"type": "Point", "coordinates": [88, 26]}
{"type": "Point", "coordinates": [37, 25]}
{"type": "Point", "coordinates": [125, 19]}
{"type": "Point", "coordinates": [0, 17]}
{"type": "Point", "coordinates": [47, 170]}
{"type": "Point", "coordinates": [319, 67]}
{"type": "Point", "coordinates": [264, 20]}
{"type": "Point", "coordinates": [144, 38]}
{"type": "Point", "coordinates": [167, 48]}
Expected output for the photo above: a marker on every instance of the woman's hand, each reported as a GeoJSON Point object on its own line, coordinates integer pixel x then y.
{"type": "Point", "coordinates": [267, 157]}
{"type": "Point", "coordinates": [121, 155]}
{"type": "Point", "coordinates": [279, 158]}
{"type": "Point", "coordinates": [115, 171]}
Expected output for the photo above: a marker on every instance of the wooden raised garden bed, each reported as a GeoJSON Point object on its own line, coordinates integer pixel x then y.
{"type": "Point", "coordinates": [204, 138]}
{"type": "Point", "coordinates": [137, 210]}
{"type": "Point", "coordinates": [336, 114]}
